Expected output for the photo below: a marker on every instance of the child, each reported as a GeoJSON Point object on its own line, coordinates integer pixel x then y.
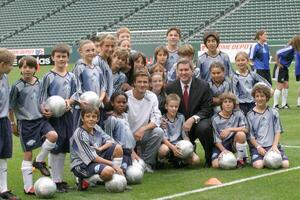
{"type": "Point", "coordinates": [92, 150]}
{"type": "Point", "coordinates": [6, 62]}
{"type": "Point", "coordinates": [284, 58]}
{"type": "Point", "coordinates": [34, 130]}
{"type": "Point", "coordinates": [218, 84]}
{"type": "Point", "coordinates": [119, 61]}
{"type": "Point", "coordinates": [125, 43]}
{"type": "Point", "coordinates": [137, 61]}
{"type": "Point", "coordinates": [159, 69]}
{"type": "Point", "coordinates": [186, 51]}
{"type": "Point", "coordinates": [173, 133]}
{"type": "Point", "coordinates": [123, 33]}
{"type": "Point", "coordinates": [260, 55]}
{"type": "Point", "coordinates": [229, 127]}
{"type": "Point", "coordinates": [264, 128]}
{"type": "Point", "coordinates": [297, 74]}
{"type": "Point", "coordinates": [117, 127]}
{"type": "Point", "coordinates": [243, 81]}
{"type": "Point", "coordinates": [157, 87]}
{"type": "Point", "coordinates": [62, 83]}
{"type": "Point", "coordinates": [211, 40]}
{"type": "Point", "coordinates": [173, 38]}
{"type": "Point", "coordinates": [161, 56]}
{"type": "Point", "coordinates": [89, 77]}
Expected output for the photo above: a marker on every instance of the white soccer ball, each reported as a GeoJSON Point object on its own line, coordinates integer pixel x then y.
{"type": "Point", "coordinates": [186, 148]}
{"type": "Point", "coordinates": [272, 159]}
{"type": "Point", "coordinates": [227, 161]}
{"type": "Point", "coordinates": [56, 104]}
{"type": "Point", "coordinates": [140, 164]}
{"type": "Point", "coordinates": [91, 98]}
{"type": "Point", "coordinates": [134, 174]}
{"type": "Point", "coordinates": [118, 183]}
{"type": "Point", "coordinates": [44, 188]}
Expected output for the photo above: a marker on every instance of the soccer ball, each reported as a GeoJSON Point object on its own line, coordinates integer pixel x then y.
{"type": "Point", "coordinates": [186, 148]}
{"type": "Point", "coordinates": [56, 104]}
{"type": "Point", "coordinates": [45, 188]}
{"type": "Point", "coordinates": [139, 163]}
{"type": "Point", "coordinates": [134, 174]}
{"type": "Point", "coordinates": [272, 159]}
{"type": "Point", "coordinates": [227, 161]}
{"type": "Point", "coordinates": [118, 183]}
{"type": "Point", "coordinates": [91, 98]}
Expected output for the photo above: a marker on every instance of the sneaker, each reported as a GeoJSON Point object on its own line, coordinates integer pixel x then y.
{"type": "Point", "coordinates": [240, 164]}
{"type": "Point", "coordinates": [8, 195]}
{"type": "Point", "coordinates": [148, 168]}
{"type": "Point", "coordinates": [286, 106]}
{"type": "Point", "coordinates": [60, 187]}
{"type": "Point", "coordinates": [82, 184]}
{"type": "Point", "coordinates": [30, 191]}
{"type": "Point", "coordinates": [42, 167]}
{"type": "Point", "coordinates": [276, 107]}
{"type": "Point", "coordinates": [66, 185]}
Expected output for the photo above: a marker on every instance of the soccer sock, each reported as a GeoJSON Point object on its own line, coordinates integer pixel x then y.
{"type": "Point", "coordinates": [3, 175]}
{"type": "Point", "coordinates": [241, 150]}
{"type": "Point", "coordinates": [276, 96]}
{"type": "Point", "coordinates": [46, 148]}
{"type": "Point", "coordinates": [117, 161]}
{"type": "Point", "coordinates": [56, 161]}
{"type": "Point", "coordinates": [298, 103]}
{"type": "Point", "coordinates": [285, 93]}
{"type": "Point", "coordinates": [27, 174]}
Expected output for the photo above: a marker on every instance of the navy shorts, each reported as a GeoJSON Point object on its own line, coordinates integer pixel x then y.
{"type": "Point", "coordinates": [297, 77]}
{"type": "Point", "coordinates": [107, 153]}
{"type": "Point", "coordinates": [32, 133]}
{"type": "Point", "coordinates": [246, 107]}
{"type": "Point", "coordinates": [228, 144]}
{"type": "Point", "coordinates": [64, 127]}
{"type": "Point", "coordinates": [5, 138]}
{"type": "Point", "coordinates": [255, 156]}
{"type": "Point", "coordinates": [281, 74]}
{"type": "Point", "coordinates": [265, 73]}
{"type": "Point", "coordinates": [86, 171]}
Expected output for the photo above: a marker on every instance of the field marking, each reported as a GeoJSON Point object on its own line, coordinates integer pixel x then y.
{"type": "Point", "coordinates": [227, 184]}
{"type": "Point", "coordinates": [291, 146]}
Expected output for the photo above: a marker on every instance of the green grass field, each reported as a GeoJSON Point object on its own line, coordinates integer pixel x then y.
{"type": "Point", "coordinates": [171, 181]}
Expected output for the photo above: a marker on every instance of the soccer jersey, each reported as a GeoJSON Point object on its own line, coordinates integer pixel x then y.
{"type": "Point", "coordinates": [118, 128]}
{"type": "Point", "coordinates": [219, 123]}
{"type": "Point", "coordinates": [82, 145]}
{"type": "Point", "coordinates": [243, 85]}
{"type": "Point", "coordinates": [286, 56]}
{"type": "Point", "coordinates": [88, 78]}
{"type": "Point", "coordinates": [264, 126]}
{"type": "Point", "coordinates": [260, 55]}
{"type": "Point", "coordinates": [4, 96]}
{"type": "Point", "coordinates": [107, 74]}
{"type": "Point", "coordinates": [174, 131]}
{"type": "Point", "coordinates": [173, 58]}
{"type": "Point", "coordinates": [225, 86]}
{"type": "Point", "coordinates": [24, 100]}
{"type": "Point", "coordinates": [204, 62]}
{"type": "Point", "coordinates": [118, 79]}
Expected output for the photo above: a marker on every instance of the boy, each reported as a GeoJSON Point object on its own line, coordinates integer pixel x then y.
{"type": "Point", "coordinates": [93, 151]}
{"type": "Point", "coordinates": [34, 130]}
{"type": "Point", "coordinates": [229, 127]}
{"type": "Point", "coordinates": [264, 128]}
{"type": "Point", "coordinates": [62, 83]}
{"type": "Point", "coordinates": [186, 51]}
{"type": "Point", "coordinates": [123, 33]}
{"type": "Point", "coordinates": [173, 133]}
{"type": "Point", "coordinates": [211, 40]}
{"type": "Point", "coordinates": [6, 61]}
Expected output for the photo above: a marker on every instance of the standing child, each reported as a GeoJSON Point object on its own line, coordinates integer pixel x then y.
{"type": "Point", "coordinates": [218, 84]}
{"type": "Point", "coordinates": [243, 81]}
{"type": "Point", "coordinates": [92, 150]}
{"type": "Point", "coordinates": [157, 87]}
{"type": "Point", "coordinates": [297, 74]}
{"type": "Point", "coordinates": [62, 83]}
{"type": "Point", "coordinates": [211, 40]}
{"type": "Point", "coordinates": [6, 62]}
{"type": "Point", "coordinates": [173, 39]}
{"type": "Point", "coordinates": [89, 77]}
{"type": "Point", "coordinates": [34, 130]}
{"type": "Point", "coordinates": [117, 127]}
{"type": "Point", "coordinates": [229, 126]}
{"type": "Point", "coordinates": [173, 133]}
{"type": "Point", "coordinates": [264, 128]}
{"type": "Point", "coordinates": [284, 58]}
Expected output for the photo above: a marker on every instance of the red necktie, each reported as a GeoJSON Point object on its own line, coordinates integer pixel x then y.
{"type": "Point", "coordinates": [186, 97]}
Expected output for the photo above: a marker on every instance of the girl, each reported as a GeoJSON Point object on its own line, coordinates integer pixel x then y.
{"type": "Point", "coordinates": [125, 43]}
{"type": "Point", "coordinates": [243, 81]}
{"type": "Point", "coordinates": [137, 61]}
{"type": "Point", "coordinates": [159, 69]}
{"type": "Point", "coordinates": [89, 77]}
{"type": "Point", "coordinates": [117, 127]}
{"type": "Point", "coordinates": [161, 56]}
{"type": "Point", "coordinates": [218, 84]}
{"type": "Point", "coordinates": [157, 86]}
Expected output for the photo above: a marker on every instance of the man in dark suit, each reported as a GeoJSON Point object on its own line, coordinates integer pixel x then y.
{"type": "Point", "coordinates": [196, 106]}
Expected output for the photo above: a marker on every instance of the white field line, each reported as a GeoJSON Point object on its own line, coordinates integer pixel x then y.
{"type": "Point", "coordinates": [227, 184]}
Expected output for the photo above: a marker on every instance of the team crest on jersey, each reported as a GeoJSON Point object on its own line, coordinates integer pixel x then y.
{"type": "Point", "coordinates": [31, 143]}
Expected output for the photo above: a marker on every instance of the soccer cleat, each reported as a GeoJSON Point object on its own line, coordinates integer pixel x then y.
{"type": "Point", "coordinates": [276, 107]}
{"type": "Point", "coordinates": [30, 191]}
{"type": "Point", "coordinates": [8, 195]}
{"type": "Point", "coordinates": [42, 167]}
{"type": "Point", "coordinates": [60, 187]}
{"type": "Point", "coordinates": [286, 106]}
{"type": "Point", "coordinates": [82, 184]}
{"type": "Point", "coordinates": [240, 164]}
{"type": "Point", "coordinates": [149, 169]}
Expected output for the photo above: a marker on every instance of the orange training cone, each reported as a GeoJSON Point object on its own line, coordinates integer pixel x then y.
{"type": "Point", "coordinates": [212, 181]}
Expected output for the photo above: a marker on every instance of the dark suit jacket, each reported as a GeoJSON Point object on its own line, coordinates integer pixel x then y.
{"type": "Point", "coordinates": [200, 98]}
